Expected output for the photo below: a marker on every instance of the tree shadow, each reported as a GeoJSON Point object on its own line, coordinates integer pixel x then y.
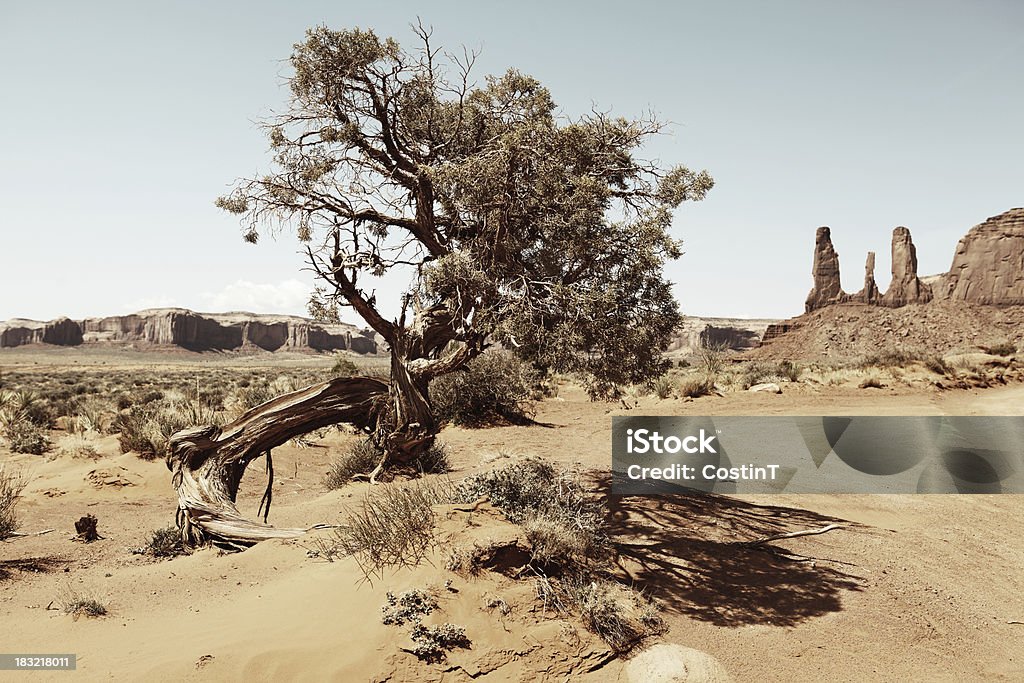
{"type": "Point", "coordinates": [688, 552]}
{"type": "Point", "coordinates": [28, 564]}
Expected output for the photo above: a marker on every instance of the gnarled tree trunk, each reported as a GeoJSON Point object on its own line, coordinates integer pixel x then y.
{"type": "Point", "coordinates": [208, 462]}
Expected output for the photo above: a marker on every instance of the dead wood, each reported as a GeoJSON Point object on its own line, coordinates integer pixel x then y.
{"type": "Point", "coordinates": [208, 462]}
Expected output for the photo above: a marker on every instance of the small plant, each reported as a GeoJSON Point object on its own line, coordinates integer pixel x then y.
{"type": "Point", "coordinates": [411, 606]}
{"type": "Point", "coordinates": [937, 365]}
{"type": "Point", "coordinates": [360, 458]}
{"type": "Point", "coordinates": [430, 642]}
{"type": "Point", "coordinates": [79, 605]}
{"type": "Point", "coordinates": [25, 437]}
{"type": "Point", "coordinates": [11, 487]}
{"type": "Point", "coordinates": [871, 382]}
{"type": "Point", "coordinates": [343, 367]}
{"type": "Point", "coordinates": [695, 387]}
{"type": "Point", "coordinates": [165, 542]}
{"type": "Point", "coordinates": [394, 526]}
{"type": "Point", "coordinates": [712, 356]}
{"type": "Point", "coordinates": [1003, 349]}
{"type": "Point", "coordinates": [663, 387]}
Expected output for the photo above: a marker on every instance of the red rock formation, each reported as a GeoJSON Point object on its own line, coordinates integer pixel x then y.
{"type": "Point", "coordinates": [870, 294]}
{"type": "Point", "coordinates": [827, 287]}
{"type": "Point", "coordinates": [906, 287]}
{"type": "Point", "coordinates": [988, 266]}
{"type": "Point", "coordinates": [62, 331]}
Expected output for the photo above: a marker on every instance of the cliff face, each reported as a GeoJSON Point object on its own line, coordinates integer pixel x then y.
{"type": "Point", "coordinates": [193, 331]}
{"type": "Point", "coordinates": [732, 333]}
{"type": "Point", "coordinates": [988, 266]}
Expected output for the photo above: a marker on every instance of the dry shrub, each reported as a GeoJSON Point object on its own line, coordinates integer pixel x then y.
{"type": "Point", "coordinates": [1002, 349]}
{"type": "Point", "coordinates": [871, 382]}
{"type": "Point", "coordinates": [11, 486]}
{"type": "Point", "coordinates": [620, 616]}
{"type": "Point", "coordinates": [394, 525]}
{"type": "Point", "coordinates": [759, 372]}
{"type": "Point", "coordinates": [363, 456]}
{"type": "Point", "coordinates": [663, 386]}
{"type": "Point", "coordinates": [695, 387]}
{"type": "Point", "coordinates": [564, 525]}
{"type": "Point", "coordinates": [165, 542]}
{"type": "Point", "coordinates": [145, 429]}
{"type": "Point", "coordinates": [494, 388]}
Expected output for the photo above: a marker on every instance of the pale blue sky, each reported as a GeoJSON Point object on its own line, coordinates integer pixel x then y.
{"type": "Point", "coordinates": [123, 121]}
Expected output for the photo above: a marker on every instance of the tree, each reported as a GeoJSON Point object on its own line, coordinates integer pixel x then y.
{"type": "Point", "coordinates": [514, 224]}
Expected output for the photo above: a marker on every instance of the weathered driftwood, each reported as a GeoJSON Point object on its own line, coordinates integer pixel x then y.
{"type": "Point", "coordinates": [208, 462]}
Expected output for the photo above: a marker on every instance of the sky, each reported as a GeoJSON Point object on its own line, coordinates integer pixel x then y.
{"type": "Point", "coordinates": [122, 122]}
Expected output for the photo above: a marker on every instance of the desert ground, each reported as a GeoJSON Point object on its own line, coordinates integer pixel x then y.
{"type": "Point", "coordinates": [917, 588]}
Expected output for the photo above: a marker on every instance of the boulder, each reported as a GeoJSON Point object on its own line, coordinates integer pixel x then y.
{"type": "Point", "coordinates": [906, 287]}
{"type": "Point", "coordinates": [671, 663]}
{"type": "Point", "coordinates": [770, 387]}
{"type": "Point", "coordinates": [988, 266]}
{"type": "Point", "coordinates": [827, 288]}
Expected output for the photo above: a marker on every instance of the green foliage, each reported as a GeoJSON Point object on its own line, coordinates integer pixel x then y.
{"type": "Point", "coordinates": [544, 233]}
{"type": "Point", "coordinates": [494, 388]}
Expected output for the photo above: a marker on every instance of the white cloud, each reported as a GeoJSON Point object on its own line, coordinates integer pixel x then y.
{"type": "Point", "coordinates": [286, 297]}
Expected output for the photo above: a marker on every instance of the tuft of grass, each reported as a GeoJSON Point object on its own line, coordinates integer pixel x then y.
{"type": "Point", "coordinates": [394, 525]}
{"type": "Point", "coordinates": [663, 387]}
{"type": "Point", "coordinates": [937, 365]}
{"type": "Point", "coordinates": [360, 458]}
{"type": "Point", "coordinates": [695, 387]}
{"type": "Point", "coordinates": [11, 486]}
{"type": "Point", "coordinates": [343, 367]}
{"type": "Point", "coordinates": [78, 605]}
{"type": "Point", "coordinates": [363, 456]}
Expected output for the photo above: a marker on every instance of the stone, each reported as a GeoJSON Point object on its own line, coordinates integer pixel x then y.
{"type": "Point", "coordinates": [906, 287]}
{"type": "Point", "coordinates": [671, 663]}
{"type": "Point", "coordinates": [870, 294]}
{"type": "Point", "coordinates": [770, 387]}
{"type": "Point", "coordinates": [827, 288]}
{"type": "Point", "coordinates": [988, 266]}
{"type": "Point", "coordinates": [194, 331]}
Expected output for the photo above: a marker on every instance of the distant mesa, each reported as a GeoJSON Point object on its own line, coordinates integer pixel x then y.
{"type": "Point", "coordinates": [182, 328]}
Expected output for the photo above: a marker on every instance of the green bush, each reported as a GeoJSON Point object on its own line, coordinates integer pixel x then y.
{"type": "Point", "coordinates": [493, 388]}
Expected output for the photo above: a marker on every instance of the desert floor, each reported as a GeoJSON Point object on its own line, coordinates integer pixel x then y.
{"type": "Point", "coordinates": [916, 588]}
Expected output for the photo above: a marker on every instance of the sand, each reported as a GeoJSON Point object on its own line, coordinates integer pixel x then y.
{"type": "Point", "coordinates": [914, 587]}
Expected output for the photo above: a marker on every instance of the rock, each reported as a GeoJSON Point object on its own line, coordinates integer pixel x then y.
{"type": "Point", "coordinates": [827, 288]}
{"type": "Point", "coordinates": [194, 331]}
{"type": "Point", "coordinates": [62, 332]}
{"type": "Point", "coordinates": [870, 294]}
{"type": "Point", "coordinates": [730, 333]}
{"type": "Point", "coordinates": [670, 663]}
{"type": "Point", "coordinates": [906, 287]}
{"type": "Point", "coordinates": [770, 387]}
{"type": "Point", "coordinates": [988, 266]}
